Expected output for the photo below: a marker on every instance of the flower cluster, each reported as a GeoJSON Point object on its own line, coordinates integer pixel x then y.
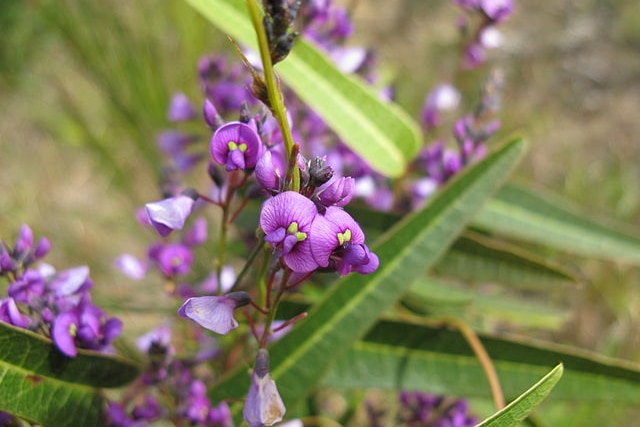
{"type": "Point", "coordinates": [424, 410]}
{"type": "Point", "coordinates": [55, 303]}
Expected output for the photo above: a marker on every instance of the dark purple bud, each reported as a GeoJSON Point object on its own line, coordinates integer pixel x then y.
{"type": "Point", "coordinates": [319, 172]}
{"type": "Point", "coordinates": [42, 248]}
{"type": "Point", "coordinates": [270, 170]}
{"type": "Point", "coordinates": [236, 145]}
{"type": "Point", "coordinates": [180, 108]}
{"type": "Point", "coordinates": [215, 313]}
{"type": "Point", "coordinates": [149, 410]}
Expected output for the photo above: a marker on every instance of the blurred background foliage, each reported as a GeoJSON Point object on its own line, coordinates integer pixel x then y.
{"type": "Point", "coordinates": [85, 86]}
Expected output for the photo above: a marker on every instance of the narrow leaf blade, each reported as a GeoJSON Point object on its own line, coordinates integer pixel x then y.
{"type": "Point", "coordinates": [380, 132]}
{"type": "Point", "coordinates": [520, 408]}
{"type": "Point", "coordinates": [523, 214]}
{"type": "Point", "coordinates": [437, 360]}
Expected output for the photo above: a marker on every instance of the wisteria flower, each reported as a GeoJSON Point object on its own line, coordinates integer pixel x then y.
{"type": "Point", "coordinates": [214, 313]}
{"type": "Point", "coordinates": [286, 221]}
{"type": "Point", "coordinates": [236, 146]}
{"type": "Point", "coordinates": [337, 242]}
{"type": "Point", "coordinates": [170, 214]}
{"type": "Point", "coordinates": [263, 405]}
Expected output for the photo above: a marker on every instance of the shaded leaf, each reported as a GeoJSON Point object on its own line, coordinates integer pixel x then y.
{"type": "Point", "coordinates": [350, 307]}
{"type": "Point", "coordinates": [380, 132]}
{"type": "Point", "coordinates": [523, 214]}
{"type": "Point", "coordinates": [399, 355]}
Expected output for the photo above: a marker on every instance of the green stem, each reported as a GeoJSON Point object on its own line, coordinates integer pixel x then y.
{"type": "Point", "coordinates": [273, 92]}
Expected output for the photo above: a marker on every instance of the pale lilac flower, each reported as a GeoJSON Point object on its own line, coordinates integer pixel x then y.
{"type": "Point", "coordinates": [497, 10]}
{"type": "Point", "coordinates": [197, 234]}
{"type": "Point", "coordinates": [263, 405]}
{"type": "Point", "coordinates": [236, 145]}
{"type": "Point", "coordinates": [286, 221]}
{"type": "Point", "coordinates": [180, 108]}
{"type": "Point", "coordinates": [131, 266]}
{"type": "Point", "coordinates": [215, 313]}
{"type": "Point", "coordinates": [444, 97]}
{"type": "Point", "coordinates": [170, 214]}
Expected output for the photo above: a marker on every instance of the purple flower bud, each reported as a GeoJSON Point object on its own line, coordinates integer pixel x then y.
{"type": "Point", "coordinates": [215, 313]}
{"type": "Point", "coordinates": [6, 262]}
{"type": "Point", "coordinates": [286, 221]}
{"type": "Point", "coordinates": [236, 145]}
{"type": "Point", "coordinates": [337, 241]}
{"type": "Point", "coordinates": [24, 243]}
{"type": "Point", "coordinates": [42, 248]}
{"type": "Point", "coordinates": [271, 169]}
{"type": "Point", "coordinates": [337, 192]}
{"type": "Point", "coordinates": [197, 234]}
{"type": "Point", "coordinates": [474, 55]}
{"type": "Point", "coordinates": [149, 410]}
{"type": "Point", "coordinates": [180, 108]}
{"type": "Point", "coordinates": [131, 266]}
{"type": "Point", "coordinates": [170, 214]}
{"type": "Point", "coordinates": [263, 405]}
{"type": "Point", "coordinates": [221, 415]}
{"type": "Point", "coordinates": [211, 116]}
{"type": "Point", "coordinates": [9, 313]}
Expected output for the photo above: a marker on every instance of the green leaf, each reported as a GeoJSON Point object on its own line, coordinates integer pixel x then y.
{"type": "Point", "coordinates": [40, 384]}
{"type": "Point", "coordinates": [523, 214]}
{"type": "Point", "coordinates": [477, 258]}
{"type": "Point", "coordinates": [400, 355]}
{"type": "Point", "coordinates": [380, 132]}
{"type": "Point", "coordinates": [351, 307]}
{"type": "Point", "coordinates": [520, 408]}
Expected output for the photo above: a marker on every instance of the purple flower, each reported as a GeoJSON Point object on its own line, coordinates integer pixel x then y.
{"type": "Point", "coordinates": [172, 259]}
{"type": "Point", "coordinates": [197, 234]}
{"type": "Point", "coordinates": [286, 221]}
{"type": "Point", "coordinates": [131, 266]}
{"type": "Point", "coordinates": [9, 313]}
{"type": "Point", "coordinates": [24, 243]}
{"type": "Point", "coordinates": [214, 313]}
{"type": "Point", "coordinates": [271, 169]}
{"type": "Point", "coordinates": [263, 405]}
{"type": "Point", "coordinates": [337, 242]}
{"type": "Point", "coordinates": [180, 108]}
{"type": "Point", "coordinates": [236, 145]}
{"type": "Point", "coordinates": [170, 214]}
{"type": "Point", "coordinates": [64, 331]}
{"type": "Point", "coordinates": [444, 97]}
{"type": "Point", "coordinates": [497, 10]}
{"type": "Point", "coordinates": [27, 288]}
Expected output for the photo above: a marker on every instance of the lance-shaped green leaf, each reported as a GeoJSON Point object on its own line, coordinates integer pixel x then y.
{"type": "Point", "coordinates": [40, 384]}
{"type": "Point", "coordinates": [523, 214]}
{"type": "Point", "coordinates": [520, 408]}
{"type": "Point", "coordinates": [380, 132]}
{"type": "Point", "coordinates": [400, 355]}
{"type": "Point", "coordinates": [352, 306]}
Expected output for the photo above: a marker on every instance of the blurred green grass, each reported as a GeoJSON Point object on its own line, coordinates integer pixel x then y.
{"type": "Point", "coordinates": [85, 86]}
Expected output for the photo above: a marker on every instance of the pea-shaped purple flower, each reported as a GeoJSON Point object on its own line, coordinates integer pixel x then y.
{"type": "Point", "coordinates": [286, 221]}
{"type": "Point", "coordinates": [337, 243]}
{"type": "Point", "coordinates": [236, 145]}
{"type": "Point", "coordinates": [215, 312]}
